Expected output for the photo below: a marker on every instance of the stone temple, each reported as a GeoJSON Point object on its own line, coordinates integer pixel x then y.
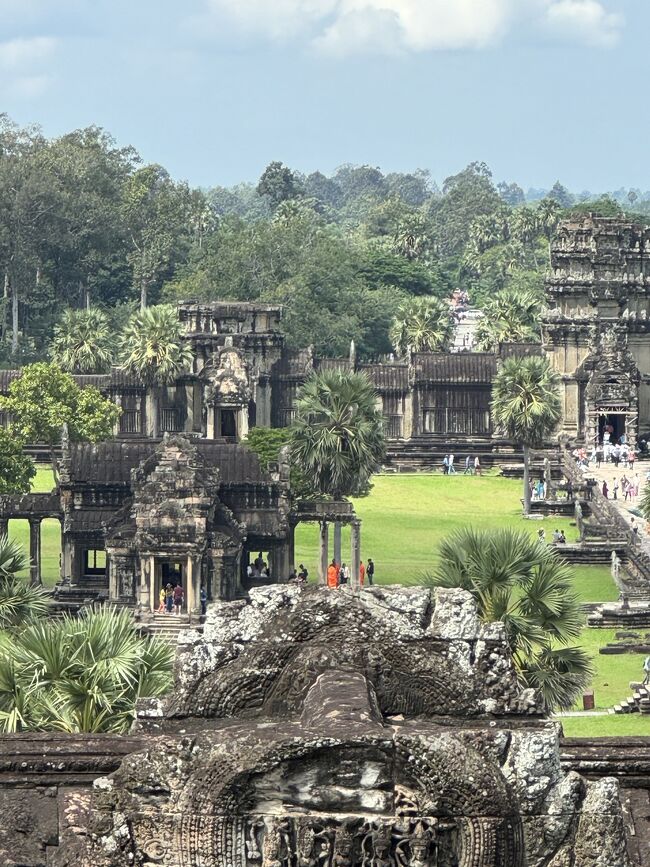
{"type": "Point", "coordinates": [316, 728]}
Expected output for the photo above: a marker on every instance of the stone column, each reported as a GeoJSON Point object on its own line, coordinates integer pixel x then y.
{"type": "Point", "coordinates": [324, 552]}
{"type": "Point", "coordinates": [355, 551]}
{"type": "Point", "coordinates": [117, 400]}
{"type": "Point", "coordinates": [189, 407]}
{"type": "Point", "coordinates": [263, 404]}
{"type": "Point", "coordinates": [407, 429]}
{"type": "Point", "coordinates": [35, 551]}
{"type": "Point", "coordinates": [4, 527]}
{"type": "Point", "coordinates": [150, 411]}
{"type": "Point", "coordinates": [242, 423]}
{"type": "Point", "coordinates": [191, 593]}
{"type": "Point", "coordinates": [209, 432]}
{"type": "Point", "coordinates": [152, 584]}
{"type": "Point", "coordinates": [143, 593]}
{"type": "Point", "coordinates": [337, 542]}
{"type": "Point", "coordinates": [66, 557]}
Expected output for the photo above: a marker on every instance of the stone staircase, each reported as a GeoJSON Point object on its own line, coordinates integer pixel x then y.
{"type": "Point", "coordinates": [425, 452]}
{"type": "Point", "coordinates": [638, 702]}
{"type": "Point", "coordinates": [167, 627]}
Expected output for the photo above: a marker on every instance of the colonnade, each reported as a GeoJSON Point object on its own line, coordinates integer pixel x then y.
{"type": "Point", "coordinates": [34, 547]}
{"type": "Point", "coordinates": [355, 548]}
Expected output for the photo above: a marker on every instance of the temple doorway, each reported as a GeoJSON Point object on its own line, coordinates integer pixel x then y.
{"type": "Point", "coordinates": [169, 572]}
{"type": "Point", "coordinates": [227, 423]}
{"type": "Point", "coordinates": [614, 424]}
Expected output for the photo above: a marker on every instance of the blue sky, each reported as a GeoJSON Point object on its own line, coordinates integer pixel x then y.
{"type": "Point", "coordinates": [216, 89]}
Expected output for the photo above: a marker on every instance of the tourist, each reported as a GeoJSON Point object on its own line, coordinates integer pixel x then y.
{"type": "Point", "coordinates": [477, 466]}
{"type": "Point", "coordinates": [249, 571]}
{"type": "Point", "coordinates": [303, 574]}
{"type": "Point", "coordinates": [634, 527]}
{"type": "Point", "coordinates": [541, 535]}
{"type": "Point", "coordinates": [556, 535]}
{"type": "Point", "coordinates": [616, 454]}
{"type": "Point", "coordinates": [161, 600]}
{"type": "Point", "coordinates": [646, 669]}
{"type": "Point", "coordinates": [468, 466]}
{"type": "Point", "coordinates": [333, 575]}
{"type": "Point", "coordinates": [627, 488]}
{"type": "Point", "coordinates": [562, 539]}
{"type": "Point", "coordinates": [179, 597]}
{"type": "Point", "coordinates": [599, 456]}
{"type": "Point", "coordinates": [370, 571]}
{"type": "Point", "coordinates": [451, 464]}
{"type": "Point", "coordinates": [362, 573]}
{"type": "Point", "coordinates": [540, 489]}
{"type": "Point", "coordinates": [204, 601]}
{"type": "Point", "coordinates": [605, 491]}
{"type": "Point", "coordinates": [632, 459]}
{"type": "Point", "coordinates": [169, 598]}
{"type": "Point", "coordinates": [637, 484]}
{"type": "Point", "coordinates": [344, 574]}
{"type": "Point", "coordinates": [445, 465]}
{"type": "Point", "coordinates": [259, 563]}
{"type": "Point", "coordinates": [569, 491]}
{"type": "Point", "coordinates": [615, 489]}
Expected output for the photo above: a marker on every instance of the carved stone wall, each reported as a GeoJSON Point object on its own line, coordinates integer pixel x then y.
{"type": "Point", "coordinates": [315, 728]}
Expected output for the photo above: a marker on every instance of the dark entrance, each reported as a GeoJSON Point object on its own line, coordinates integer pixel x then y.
{"type": "Point", "coordinates": [228, 423]}
{"type": "Point", "coordinates": [168, 572]}
{"type": "Point", "coordinates": [614, 422]}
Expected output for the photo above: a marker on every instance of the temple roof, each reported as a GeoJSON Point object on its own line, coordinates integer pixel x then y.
{"type": "Point", "coordinates": [387, 377]}
{"type": "Point", "coordinates": [471, 368]}
{"type": "Point", "coordinates": [110, 463]}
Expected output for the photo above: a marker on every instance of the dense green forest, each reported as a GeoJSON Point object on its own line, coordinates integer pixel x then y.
{"type": "Point", "coordinates": [84, 223]}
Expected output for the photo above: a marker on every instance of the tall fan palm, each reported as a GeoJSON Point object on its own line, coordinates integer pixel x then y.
{"type": "Point", "coordinates": [510, 315]}
{"type": "Point", "coordinates": [525, 227]}
{"type": "Point", "coordinates": [153, 348]}
{"type": "Point", "coordinates": [83, 342]}
{"type": "Point", "coordinates": [526, 405]}
{"type": "Point", "coordinates": [20, 602]}
{"type": "Point", "coordinates": [337, 438]}
{"type": "Point", "coordinates": [79, 674]}
{"type": "Point", "coordinates": [422, 325]}
{"type": "Point", "coordinates": [527, 586]}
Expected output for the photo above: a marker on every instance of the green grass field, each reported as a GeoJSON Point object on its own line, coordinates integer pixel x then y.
{"type": "Point", "coordinates": [404, 519]}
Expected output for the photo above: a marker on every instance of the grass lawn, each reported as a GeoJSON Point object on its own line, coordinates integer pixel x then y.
{"type": "Point", "coordinates": [404, 519]}
{"type": "Point", "coordinates": [406, 516]}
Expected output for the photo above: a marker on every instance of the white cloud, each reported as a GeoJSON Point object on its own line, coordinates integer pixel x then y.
{"type": "Point", "coordinates": [387, 26]}
{"type": "Point", "coordinates": [586, 20]}
{"type": "Point", "coordinates": [21, 62]}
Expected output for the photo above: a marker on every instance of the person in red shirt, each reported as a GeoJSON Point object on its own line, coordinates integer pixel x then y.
{"type": "Point", "coordinates": [362, 573]}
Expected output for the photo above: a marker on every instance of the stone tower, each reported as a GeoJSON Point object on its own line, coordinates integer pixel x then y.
{"type": "Point", "coordinates": [597, 325]}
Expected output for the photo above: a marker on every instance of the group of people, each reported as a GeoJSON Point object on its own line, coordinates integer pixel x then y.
{"type": "Point", "coordinates": [339, 574]}
{"type": "Point", "coordinates": [172, 598]}
{"type": "Point", "coordinates": [258, 568]}
{"type": "Point", "coordinates": [628, 487]}
{"type": "Point", "coordinates": [559, 536]}
{"type": "Point", "coordinates": [606, 452]}
{"type": "Point", "coordinates": [472, 465]}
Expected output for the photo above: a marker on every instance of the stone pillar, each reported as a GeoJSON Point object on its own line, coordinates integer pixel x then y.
{"type": "Point", "coordinates": [191, 595]}
{"type": "Point", "coordinates": [117, 399]}
{"type": "Point", "coordinates": [189, 407]}
{"type": "Point", "coordinates": [4, 527]}
{"type": "Point", "coordinates": [152, 584]}
{"type": "Point", "coordinates": [324, 552]}
{"type": "Point", "coordinates": [337, 542]}
{"type": "Point", "coordinates": [291, 546]}
{"type": "Point", "coordinates": [150, 411]}
{"type": "Point", "coordinates": [143, 593]}
{"type": "Point", "coordinates": [209, 432]}
{"type": "Point", "coordinates": [355, 551]}
{"type": "Point", "coordinates": [407, 423]}
{"type": "Point", "coordinates": [242, 423]}
{"type": "Point", "coordinates": [35, 551]}
{"type": "Point", "coordinates": [263, 404]}
{"type": "Point", "coordinates": [66, 557]}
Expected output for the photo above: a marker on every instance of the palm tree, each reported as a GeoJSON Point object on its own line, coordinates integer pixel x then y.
{"type": "Point", "coordinates": [525, 228]}
{"type": "Point", "coordinates": [83, 342]}
{"type": "Point", "coordinates": [526, 405]}
{"type": "Point", "coordinates": [153, 348]}
{"type": "Point", "coordinates": [79, 674]}
{"type": "Point", "coordinates": [422, 325]}
{"type": "Point", "coordinates": [20, 602]}
{"type": "Point", "coordinates": [510, 315]}
{"type": "Point", "coordinates": [337, 438]}
{"type": "Point", "coordinates": [525, 584]}
{"type": "Point", "coordinates": [548, 214]}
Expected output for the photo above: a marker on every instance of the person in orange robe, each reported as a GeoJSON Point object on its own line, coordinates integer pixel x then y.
{"type": "Point", "coordinates": [332, 575]}
{"type": "Point", "coordinates": [362, 573]}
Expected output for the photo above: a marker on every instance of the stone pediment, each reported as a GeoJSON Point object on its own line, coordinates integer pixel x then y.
{"type": "Point", "coordinates": [377, 729]}
{"type": "Point", "coordinates": [226, 377]}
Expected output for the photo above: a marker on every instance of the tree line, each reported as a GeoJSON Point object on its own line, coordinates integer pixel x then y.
{"type": "Point", "coordinates": [85, 225]}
